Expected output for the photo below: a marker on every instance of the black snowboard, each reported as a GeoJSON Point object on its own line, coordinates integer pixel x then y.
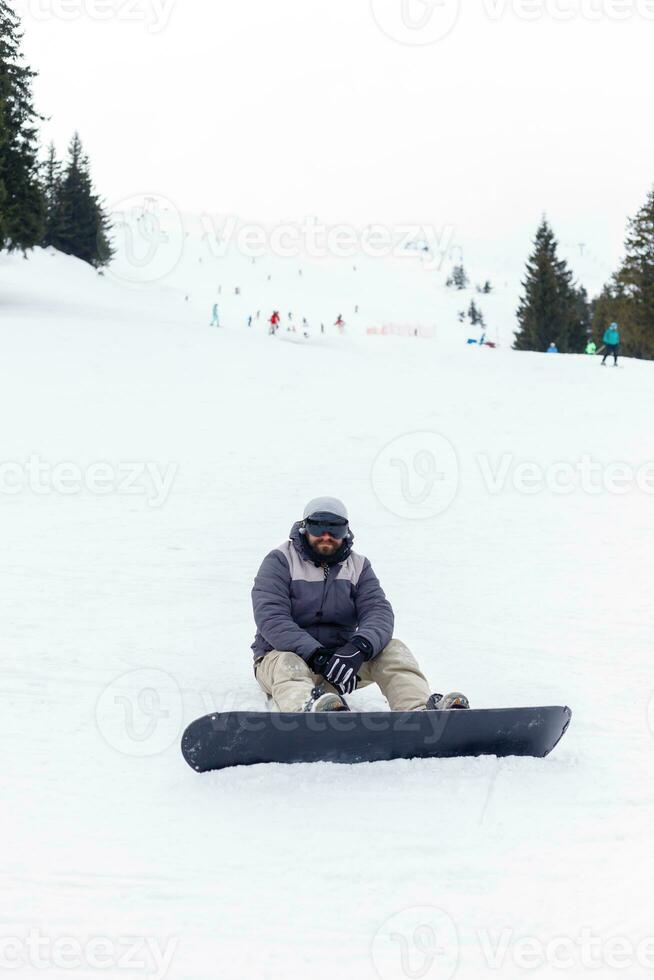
{"type": "Point", "coordinates": [245, 738]}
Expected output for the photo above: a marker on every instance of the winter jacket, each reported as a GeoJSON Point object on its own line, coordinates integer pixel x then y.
{"type": "Point", "coordinates": [612, 335]}
{"type": "Point", "coordinates": [301, 602]}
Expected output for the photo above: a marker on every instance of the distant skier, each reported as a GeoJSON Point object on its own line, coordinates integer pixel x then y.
{"type": "Point", "coordinates": [552, 349]}
{"type": "Point", "coordinates": [274, 322]}
{"type": "Point", "coordinates": [325, 627]}
{"type": "Point", "coordinates": [591, 347]}
{"type": "Point", "coordinates": [305, 327]}
{"type": "Point", "coordinates": [250, 320]}
{"type": "Point", "coordinates": [215, 316]}
{"type": "Point", "coordinates": [340, 323]}
{"type": "Point", "coordinates": [612, 343]}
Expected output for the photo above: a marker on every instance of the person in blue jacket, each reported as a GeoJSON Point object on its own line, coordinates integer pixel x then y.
{"type": "Point", "coordinates": [325, 626]}
{"type": "Point", "coordinates": [552, 349]}
{"type": "Point", "coordinates": [612, 343]}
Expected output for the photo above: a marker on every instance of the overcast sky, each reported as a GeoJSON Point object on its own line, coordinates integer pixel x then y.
{"type": "Point", "coordinates": [479, 116]}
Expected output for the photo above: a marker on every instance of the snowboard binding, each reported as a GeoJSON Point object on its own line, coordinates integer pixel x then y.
{"type": "Point", "coordinates": [325, 701]}
{"type": "Point", "coordinates": [446, 702]}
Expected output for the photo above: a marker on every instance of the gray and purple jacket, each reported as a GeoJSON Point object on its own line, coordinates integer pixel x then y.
{"type": "Point", "coordinates": [301, 603]}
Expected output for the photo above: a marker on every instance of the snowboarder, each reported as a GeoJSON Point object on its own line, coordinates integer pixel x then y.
{"type": "Point", "coordinates": [325, 626]}
{"type": "Point", "coordinates": [552, 349]}
{"type": "Point", "coordinates": [612, 343]}
{"type": "Point", "coordinates": [591, 347]}
{"type": "Point", "coordinates": [215, 316]}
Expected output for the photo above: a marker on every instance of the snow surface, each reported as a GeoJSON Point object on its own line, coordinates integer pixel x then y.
{"type": "Point", "coordinates": [127, 615]}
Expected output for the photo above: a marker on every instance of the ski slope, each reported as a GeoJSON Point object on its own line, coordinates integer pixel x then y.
{"type": "Point", "coordinates": [148, 464]}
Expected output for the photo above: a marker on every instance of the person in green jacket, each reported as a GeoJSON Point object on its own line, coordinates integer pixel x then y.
{"type": "Point", "coordinates": [612, 342]}
{"type": "Point", "coordinates": [591, 347]}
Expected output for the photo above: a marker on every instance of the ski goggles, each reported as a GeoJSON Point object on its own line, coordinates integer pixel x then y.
{"type": "Point", "coordinates": [337, 529]}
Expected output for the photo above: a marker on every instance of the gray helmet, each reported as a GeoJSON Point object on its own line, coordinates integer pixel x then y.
{"type": "Point", "coordinates": [322, 507]}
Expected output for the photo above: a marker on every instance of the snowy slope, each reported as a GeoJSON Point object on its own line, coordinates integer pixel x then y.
{"type": "Point", "coordinates": [127, 614]}
{"type": "Point", "coordinates": [312, 272]}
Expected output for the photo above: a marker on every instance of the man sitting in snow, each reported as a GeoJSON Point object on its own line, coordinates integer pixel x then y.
{"type": "Point", "coordinates": [325, 627]}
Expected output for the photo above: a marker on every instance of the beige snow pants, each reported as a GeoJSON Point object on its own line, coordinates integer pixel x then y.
{"type": "Point", "coordinates": [289, 680]}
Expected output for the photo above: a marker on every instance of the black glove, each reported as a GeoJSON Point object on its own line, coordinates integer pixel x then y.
{"type": "Point", "coordinates": [319, 658]}
{"type": "Point", "coordinates": [344, 664]}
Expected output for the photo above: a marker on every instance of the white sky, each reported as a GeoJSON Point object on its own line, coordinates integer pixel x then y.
{"type": "Point", "coordinates": [275, 109]}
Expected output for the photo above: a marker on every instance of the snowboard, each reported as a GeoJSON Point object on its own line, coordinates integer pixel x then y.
{"type": "Point", "coordinates": [246, 738]}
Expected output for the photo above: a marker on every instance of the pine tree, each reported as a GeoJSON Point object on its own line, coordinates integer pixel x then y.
{"type": "Point", "coordinates": [21, 200]}
{"type": "Point", "coordinates": [51, 192]}
{"type": "Point", "coordinates": [3, 189]}
{"type": "Point", "coordinates": [581, 327]}
{"type": "Point", "coordinates": [458, 277]}
{"type": "Point", "coordinates": [550, 307]}
{"type": "Point", "coordinates": [78, 225]}
{"type": "Point", "coordinates": [629, 298]}
{"type": "Point", "coordinates": [475, 315]}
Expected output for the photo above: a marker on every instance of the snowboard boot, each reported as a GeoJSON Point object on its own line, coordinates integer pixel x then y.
{"type": "Point", "coordinates": [446, 702]}
{"type": "Point", "coordinates": [325, 702]}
